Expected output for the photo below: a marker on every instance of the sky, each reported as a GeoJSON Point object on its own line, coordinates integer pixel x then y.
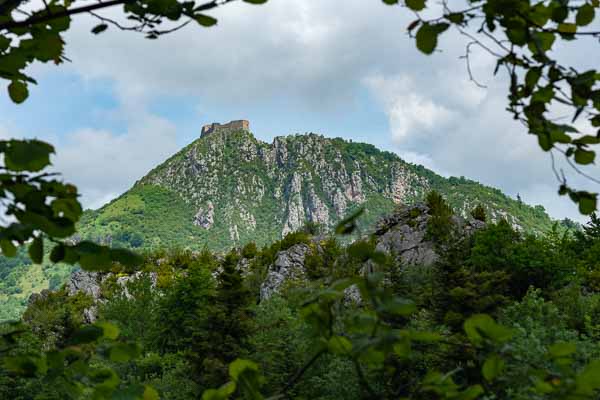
{"type": "Point", "coordinates": [339, 68]}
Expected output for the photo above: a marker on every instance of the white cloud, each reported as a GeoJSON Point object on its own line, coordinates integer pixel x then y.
{"type": "Point", "coordinates": [408, 111]}
{"type": "Point", "coordinates": [104, 164]}
{"type": "Point", "coordinates": [310, 56]}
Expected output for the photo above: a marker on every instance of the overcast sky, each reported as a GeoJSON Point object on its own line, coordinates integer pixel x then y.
{"type": "Point", "coordinates": [339, 68]}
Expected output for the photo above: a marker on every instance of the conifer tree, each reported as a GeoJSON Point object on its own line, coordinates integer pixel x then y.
{"type": "Point", "coordinates": [228, 326]}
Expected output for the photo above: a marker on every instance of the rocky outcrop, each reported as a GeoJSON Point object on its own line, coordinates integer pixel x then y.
{"type": "Point", "coordinates": [205, 217]}
{"type": "Point", "coordinates": [403, 235]}
{"type": "Point", "coordinates": [91, 284]}
{"type": "Point", "coordinates": [288, 266]}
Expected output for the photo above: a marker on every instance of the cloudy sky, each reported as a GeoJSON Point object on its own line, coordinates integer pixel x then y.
{"type": "Point", "coordinates": [339, 68]}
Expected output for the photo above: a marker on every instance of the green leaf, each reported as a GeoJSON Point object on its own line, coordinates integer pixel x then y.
{"type": "Point", "coordinates": [562, 349]}
{"type": "Point", "coordinates": [49, 48]}
{"type": "Point", "coordinates": [584, 157]}
{"type": "Point", "coordinates": [567, 28]}
{"type": "Point", "coordinates": [587, 202]}
{"type": "Point", "coordinates": [543, 387]}
{"type": "Point", "coordinates": [587, 139]}
{"type": "Point", "coordinates": [415, 5]}
{"type": "Point", "coordinates": [339, 345]}
{"type": "Point", "coordinates": [17, 91]}
{"type": "Point", "coordinates": [427, 36]}
{"type": "Point", "coordinates": [224, 392]}
{"type": "Point", "coordinates": [123, 352]}
{"type": "Point", "coordinates": [205, 20]}
{"type": "Point", "coordinates": [492, 367]}
{"type": "Point", "coordinates": [109, 331]}
{"type": "Point", "coordinates": [68, 208]}
{"type": "Point", "coordinates": [348, 224]}
{"type": "Point", "coordinates": [93, 257]}
{"type": "Point", "coordinates": [87, 334]}
{"type": "Point", "coordinates": [36, 250]}
{"type": "Point", "coordinates": [150, 393]}
{"type": "Point", "coordinates": [470, 393]}
{"type": "Point", "coordinates": [390, 2]}
{"type": "Point", "coordinates": [542, 41]}
{"type": "Point", "coordinates": [585, 15]}
{"type": "Point", "coordinates": [4, 43]}
{"type": "Point", "coordinates": [456, 18]}
{"type": "Point", "coordinates": [589, 380]}
{"type": "Point", "coordinates": [426, 337]}
{"type": "Point", "coordinates": [99, 28]}
{"type": "Point", "coordinates": [560, 13]}
{"type": "Point", "coordinates": [126, 257]}
{"type": "Point", "coordinates": [403, 348]}
{"type": "Point", "coordinates": [237, 367]}
{"type": "Point", "coordinates": [27, 155]}
{"type": "Point", "coordinates": [480, 327]}
{"type": "Point", "coordinates": [256, 1]}
{"type": "Point", "coordinates": [58, 253]}
{"type": "Point", "coordinates": [532, 77]}
{"type": "Point", "coordinates": [8, 248]}
{"type": "Point", "coordinates": [247, 378]}
{"type": "Point", "coordinates": [398, 306]}
{"type": "Point", "coordinates": [27, 366]}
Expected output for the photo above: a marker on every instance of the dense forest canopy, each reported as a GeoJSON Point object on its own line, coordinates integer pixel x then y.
{"type": "Point", "coordinates": [500, 314]}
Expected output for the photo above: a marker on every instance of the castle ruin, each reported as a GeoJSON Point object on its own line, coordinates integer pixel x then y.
{"type": "Point", "coordinates": [239, 125]}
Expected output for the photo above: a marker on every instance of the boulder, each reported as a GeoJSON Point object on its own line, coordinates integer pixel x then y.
{"type": "Point", "coordinates": [288, 265]}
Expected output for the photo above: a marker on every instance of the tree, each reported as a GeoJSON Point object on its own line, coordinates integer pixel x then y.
{"type": "Point", "coordinates": [227, 328]}
{"type": "Point", "coordinates": [439, 226]}
{"type": "Point", "coordinates": [479, 213]}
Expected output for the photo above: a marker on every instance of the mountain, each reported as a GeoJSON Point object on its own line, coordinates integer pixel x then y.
{"type": "Point", "coordinates": [228, 188]}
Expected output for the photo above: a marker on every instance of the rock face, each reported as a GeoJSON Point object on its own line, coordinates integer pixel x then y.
{"type": "Point", "coordinates": [404, 235]}
{"type": "Point", "coordinates": [288, 266]}
{"type": "Point", "coordinates": [205, 216]}
{"type": "Point", "coordinates": [90, 283]}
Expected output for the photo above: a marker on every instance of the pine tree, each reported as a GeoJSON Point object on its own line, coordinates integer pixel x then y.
{"type": "Point", "coordinates": [479, 213]}
{"type": "Point", "coordinates": [592, 228]}
{"type": "Point", "coordinates": [228, 326]}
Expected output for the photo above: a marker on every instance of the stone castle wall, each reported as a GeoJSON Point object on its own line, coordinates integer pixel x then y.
{"type": "Point", "coordinates": [239, 125]}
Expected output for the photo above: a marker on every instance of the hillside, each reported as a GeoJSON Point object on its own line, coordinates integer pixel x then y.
{"type": "Point", "coordinates": [228, 188]}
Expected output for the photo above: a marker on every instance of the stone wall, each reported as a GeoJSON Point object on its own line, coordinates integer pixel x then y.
{"type": "Point", "coordinates": [239, 125]}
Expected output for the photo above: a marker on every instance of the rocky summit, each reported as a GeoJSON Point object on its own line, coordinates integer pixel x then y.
{"type": "Point", "coordinates": [228, 188]}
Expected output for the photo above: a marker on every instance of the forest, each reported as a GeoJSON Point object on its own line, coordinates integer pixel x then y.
{"type": "Point", "coordinates": [500, 314]}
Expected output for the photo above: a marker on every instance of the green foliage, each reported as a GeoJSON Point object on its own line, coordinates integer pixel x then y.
{"type": "Point", "coordinates": [351, 331]}
{"type": "Point", "coordinates": [479, 213]}
{"type": "Point", "coordinates": [439, 227]}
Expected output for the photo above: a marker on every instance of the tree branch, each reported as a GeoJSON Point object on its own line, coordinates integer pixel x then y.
{"type": "Point", "coordinates": [41, 18]}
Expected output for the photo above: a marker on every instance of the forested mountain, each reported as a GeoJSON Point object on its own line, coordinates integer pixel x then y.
{"type": "Point", "coordinates": [228, 188]}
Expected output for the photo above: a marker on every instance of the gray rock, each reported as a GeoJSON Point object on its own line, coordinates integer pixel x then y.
{"type": "Point", "coordinates": [205, 216]}
{"type": "Point", "coordinates": [90, 283]}
{"type": "Point", "coordinates": [84, 282]}
{"type": "Point", "coordinates": [288, 265]}
{"type": "Point", "coordinates": [403, 235]}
